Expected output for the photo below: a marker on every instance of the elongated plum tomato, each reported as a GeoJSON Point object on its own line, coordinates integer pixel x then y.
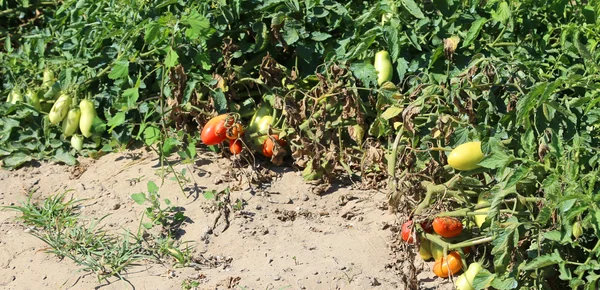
{"type": "Point", "coordinates": [449, 265]}
{"type": "Point", "coordinates": [214, 132]}
{"type": "Point", "coordinates": [59, 109]}
{"type": "Point", "coordinates": [383, 65]}
{"type": "Point", "coordinates": [71, 122]}
{"type": "Point", "coordinates": [407, 235]}
{"type": "Point", "coordinates": [425, 249]}
{"type": "Point", "coordinates": [268, 145]}
{"type": "Point", "coordinates": [447, 227]}
{"type": "Point", "coordinates": [437, 251]}
{"type": "Point", "coordinates": [235, 147]}
{"type": "Point", "coordinates": [88, 113]}
{"type": "Point", "coordinates": [577, 229]}
{"type": "Point", "coordinates": [77, 142]}
{"type": "Point", "coordinates": [465, 281]}
{"type": "Point", "coordinates": [466, 156]}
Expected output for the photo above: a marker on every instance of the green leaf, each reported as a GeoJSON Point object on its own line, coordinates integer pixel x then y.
{"type": "Point", "coordinates": [413, 8]}
{"type": "Point", "coordinates": [320, 36]}
{"type": "Point", "coordinates": [517, 175]}
{"type": "Point", "coordinates": [219, 100]}
{"type": "Point", "coordinates": [497, 159]}
{"type": "Point", "coordinates": [152, 31]}
{"type": "Point", "coordinates": [117, 120]}
{"type": "Point", "coordinates": [209, 194]}
{"type": "Point", "coordinates": [152, 187]}
{"type": "Point", "coordinates": [199, 25]}
{"type": "Point", "coordinates": [166, 3]}
{"type": "Point", "coordinates": [529, 101]}
{"type": "Point", "coordinates": [502, 13]}
{"type": "Point", "coordinates": [391, 112]}
{"type": "Point", "coordinates": [483, 279]}
{"type": "Point", "coordinates": [172, 58]}
{"type": "Point", "coordinates": [120, 70]}
{"type": "Point", "coordinates": [504, 283]}
{"type": "Point", "coordinates": [474, 31]}
{"type": "Point", "coordinates": [151, 135]}
{"type": "Point", "coordinates": [169, 146]}
{"type": "Point", "coordinates": [132, 95]}
{"type": "Point", "coordinates": [139, 198]}
{"type": "Point", "coordinates": [543, 261]}
{"type": "Point", "coordinates": [365, 72]}
{"type": "Point", "coordinates": [64, 157]}
{"type": "Point", "coordinates": [16, 159]}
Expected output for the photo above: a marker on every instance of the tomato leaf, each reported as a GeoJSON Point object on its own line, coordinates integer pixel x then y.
{"type": "Point", "coordinates": [474, 31]}
{"type": "Point", "coordinates": [120, 70]}
{"type": "Point", "coordinates": [17, 159]}
{"type": "Point", "coordinates": [413, 8]}
{"type": "Point", "coordinates": [365, 72]}
{"type": "Point", "coordinates": [151, 135]}
{"type": "Point", "coordinates": [64, 157]}
{"type": "Point", "coordinates": [543, 261]}
{"type": "Point", "coordinates": [172, 58]}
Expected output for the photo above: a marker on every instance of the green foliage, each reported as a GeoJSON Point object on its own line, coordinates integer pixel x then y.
{"type": "Point", "coordinates": [521, 76]}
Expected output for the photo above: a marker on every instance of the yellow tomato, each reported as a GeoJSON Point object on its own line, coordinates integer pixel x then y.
{"type": "Point", "coordinates": [466, 156]}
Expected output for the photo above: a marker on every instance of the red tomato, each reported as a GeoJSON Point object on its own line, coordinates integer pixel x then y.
{"type": "Point", "coordinates": [407, 234]}
{"type": "Point", "coordinates": [235, 147]}
{"type": "Point", "coordinates": [450, 265]}
{"type": "Point", "coordinates": [235, 132]}
{"type": "Point", "coordinates": [447, 227]}
{"type": "Point", "coordinates": [268, 145]}
{"type": "Point", "coordinates": [214, 131]}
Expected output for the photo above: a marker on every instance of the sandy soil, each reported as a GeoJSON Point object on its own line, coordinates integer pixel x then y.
{"type": "Point", "coordinates": [286, 237]}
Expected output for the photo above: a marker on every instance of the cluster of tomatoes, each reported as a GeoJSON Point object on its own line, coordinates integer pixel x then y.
{"type": "Point", "coordinates": [446, 227]}
{"type": "Point", "coordinates": [228, 127]}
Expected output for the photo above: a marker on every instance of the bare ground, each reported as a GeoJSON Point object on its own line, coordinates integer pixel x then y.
{"type": "Point", "coordinates": [286, 237]}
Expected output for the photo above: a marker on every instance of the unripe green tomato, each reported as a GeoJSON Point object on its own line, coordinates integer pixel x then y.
{"type": "Point", "coordinates": [59, 109]}
{"type": "Point", "coordinates": [465, 281]}
{"type": "Point", "coordinates": [48, 78]}
{"type": "Point", "coordinates": [33, 98]}
{"type": "Point", "coordinates": [466, 156]}
{"type": "Point", "coordinates": [71, 122]}
{"type": "Point", "coordinates": [15, 97]}
{"type": "Point", "coordinates": [577, 229]}
{"type": "Point", "coordinates": [437, 251]}
{"type": "Point", "coordinates": [383, 65]}
{"type": "Point", "coordinates": [77, 142]}
{"type": "Point", "coordinates": [88, 113]}
{"type": "Point", "coordinates": [425, 249]}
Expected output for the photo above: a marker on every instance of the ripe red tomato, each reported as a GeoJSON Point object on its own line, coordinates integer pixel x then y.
{"type": "Point", "coordinates": [447, 227]}
{"type": "Point", "coordinates": [235, 147]}
{"type": "Point", "coordinates": [407, 234]}
{"type": "Point", "coordinates": [214, 131]}
{"type": "Point", "coordinates": [450, 265]}
{"type": "Point", "coordinates": [235, 132]}
{"type": "Point", "coordinates": [268, 145]}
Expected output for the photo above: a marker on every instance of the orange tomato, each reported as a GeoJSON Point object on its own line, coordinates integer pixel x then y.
{"type": "Point", "coordinates": [447, 227]}
{"type": "Point", "coordinates": [235, 132]}
{"type": "Point", "coordinates": [235, 147]}
{"type": "Point", "coordinates": [267, 147]}
{"type": "Point", "coordinates": [450, 265]}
